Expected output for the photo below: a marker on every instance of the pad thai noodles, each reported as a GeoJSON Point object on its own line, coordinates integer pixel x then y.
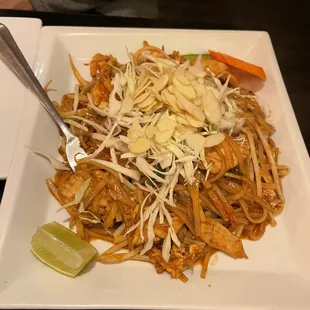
{"type": "Point", "coordinates": [181, 161]}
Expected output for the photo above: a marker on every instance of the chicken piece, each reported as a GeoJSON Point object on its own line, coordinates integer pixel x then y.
{"type": "Point", "coordinates": [139, 55]}
{"type": "Point", "coordinates": [102, 88]}
{"type": "Point", "coordinates": [216, 161]}
{"type": "Point", "coordinates": [215, 66]}
{"type": "Point", "coordinates": [70, 187]}
{"type": "Point", "coordinates": [101, 68]}
{"type": "Point", "coordinates": [176, 56]}
{"type": "Point", "coordinates": [232, 80]}
{"type": "Point", "coordinates": [100, 206]}
{"type": "Point", "coordinates": [220, 69]}
{"type": "Point", "coordinates": [181, 258]}
{"type": "Point", "coordinates": [99, 174]}
{"type": "Point", "coordinates": [219, 237]}
{"type": "Point", "coordinates": [189, 254]}
{"type": "Point", "coordinates": [99, 94]}
{"type": "Point", "coordinates": [215, 158]}
{"type": "Point", "coordinates": [66, 104]}
{"type": "Point", "coordinates": [161, 230]}
{"type": "Point", "coordinates": [175, 269]}
{"type": "Point", "coordinates": [224, 209]}
{"type": "Point", "coordinates": [101, 62]}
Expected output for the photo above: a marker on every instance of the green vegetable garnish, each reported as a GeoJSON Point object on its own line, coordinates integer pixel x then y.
{"type": "Point", "coordinates": [194, 56]}
{"type": "Point", "coordinates": [236, 171]}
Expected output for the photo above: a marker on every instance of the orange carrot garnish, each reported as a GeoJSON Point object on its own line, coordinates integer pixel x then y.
{"type": "Point", "coordinates": [239, 64]}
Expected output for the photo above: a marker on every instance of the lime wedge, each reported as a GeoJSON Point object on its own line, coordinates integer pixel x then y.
{"type": "Point", "coordinates": [62, 249]}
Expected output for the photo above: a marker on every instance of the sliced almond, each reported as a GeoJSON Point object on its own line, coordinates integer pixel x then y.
{"type": "Point", "coordinates": [215, 92]}
{"type": "Point", "coordinates": [155, 118]}
{"type": "Point", "coordinates": [193, 121]}
{"type": "Point", "coordinates": [163, 137]}
{"type": "Point", "coordinates": [171, 89]}
{"type": "Point", "coordinates": [164, 115]}
{"type": "Point", "coordinates": [223, 107]}
{"type": "Point", "coordinates": [180, 104]}
{"type": "Point", "coordinates": [166, 124]}
{"type": "Point", "coordinates": [141, 98]}
{"type": "Point", "coordinates": [170, 74]}
{"type": "Point", "coordinates": [182, 119]}
{"type": "Point", "coordinates": [201, 81]}
{"type": "Point", "coordinates": [141, 145]}
{"type": "Point", "coordinates": [173, 117]}
{"type": "Point", "coordinates": [196, 72]}
{"type": "Point", "coordinates": [211, 107]}
{"type": "Point", "coordinates": [190, 76]}
{"type": "Point", "coordinates": [195, 82]}
{"type": "Point", "coordinates": [161, 82]}
{"type": "Point", "coordinates": [170, 100]}
{"type": "Point", "coordinates": [196, 142]}
{"type": "Point", "coordinates": [200, 90]}
{"type": "Point", "coordinates": [184, 129]}
{"type": "Point", "coordinates": [187, 91]}
{"type": "Point", "coordinates": [127, 105]}
{"type": "Point", "coordinates": [135, 130]}
{"type": "Point", "coordinates": [157, 106]}
{"type": "Point", "coordinates": [175, 108]}
{"type": "Point", "coordinates": [189, 107]}
{"type": "Point", "coordinates": [183, 80]}
{"type": "Point", "coordinates": [169, 106]}
{"type": "Point", "coordinates": [213, 140]}
{"type": "Point", "coordinates": [155, 93]}
{"type": "Point", "coordinates": [142, 88]}
{"type": "Point", "coordinates": [142, 77]}
{"type": "Point", "coordinates": [197, 102]}
{"type": "Point", "coordinates": [180, 70]}
{"type": "Point", "coordinates": [150, 131]}
{"type": "Point", "coordinates": [148, 101]}
{"type": "Point", "coordinates": [149, 107]}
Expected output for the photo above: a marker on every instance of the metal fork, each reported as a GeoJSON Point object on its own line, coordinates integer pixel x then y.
{"type": "Point", "coordinates": [12, 56]}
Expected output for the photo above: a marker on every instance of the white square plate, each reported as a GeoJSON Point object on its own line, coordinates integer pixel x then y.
{"type": "Point", "coordinates": [277, 273]}
{"type": "Point", "coordinates": [26, 32]}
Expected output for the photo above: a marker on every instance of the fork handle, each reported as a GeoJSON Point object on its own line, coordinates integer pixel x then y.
{"type": "Point", "coordinates": [12, 56]}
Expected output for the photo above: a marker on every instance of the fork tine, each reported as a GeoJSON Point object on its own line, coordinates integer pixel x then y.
{"type": "Point", "coordinates": [74, 151]}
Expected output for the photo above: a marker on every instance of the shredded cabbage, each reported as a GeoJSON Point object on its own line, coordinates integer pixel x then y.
{"type": "Point", "coordinates": [148, 169]}
{"type": "Point", "coordinates": [102, 112]}
{"type": "Point", "coordinates": [91, 123]}
{"type": "Point", "coordinates": [78, 195]}
{"type": "Point", "coordinates": [167, 246]}
{"type": "Point", "coordinates": [133, 174]}
{"type": "Point", "coordinates": [96, 220]}
{"type": "Point", "coordinates": [75, 124]}
{"type": "Point", "coordinates": [76, 97]}
{"type": "Point", "coordinates": [150, 232]}
{"type": "Point", "coordinates": [58, 165]}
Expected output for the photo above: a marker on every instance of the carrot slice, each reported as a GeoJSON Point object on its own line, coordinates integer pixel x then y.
{"type": "Point", "coordinates": [239, 64]}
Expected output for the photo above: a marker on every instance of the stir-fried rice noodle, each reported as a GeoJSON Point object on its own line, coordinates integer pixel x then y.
{"type": "Point", "coordinates": [181, 161]}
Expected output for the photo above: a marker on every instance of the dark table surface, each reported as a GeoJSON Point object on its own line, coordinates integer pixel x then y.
{"type": "Point", "coordinates": [287, 24]}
